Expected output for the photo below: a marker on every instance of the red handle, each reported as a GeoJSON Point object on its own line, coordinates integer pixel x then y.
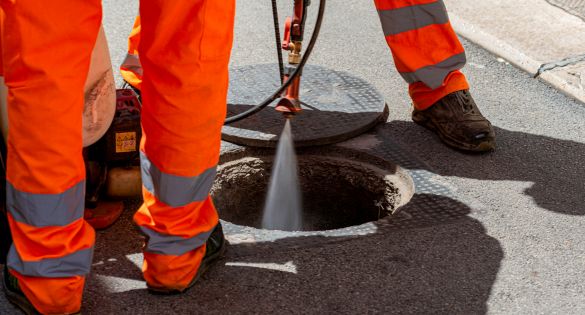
{"type": "Point", "coordinates": [287, 27]}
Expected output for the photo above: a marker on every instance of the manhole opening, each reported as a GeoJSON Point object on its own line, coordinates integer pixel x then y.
{"type": "Point", "coordinates": [337, 192]}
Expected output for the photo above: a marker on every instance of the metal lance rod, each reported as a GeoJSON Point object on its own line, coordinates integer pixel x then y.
{"type": "Point", "coordinates": [278, 93]}
{"type": "Point", "coordinates": [294, 30]}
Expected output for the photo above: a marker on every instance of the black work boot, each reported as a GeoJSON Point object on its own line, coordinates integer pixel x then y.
{"type": "Point", "coordinates": [214, 250]}
{"type": "Point", "coordinates": [458, 122]}
{"type": "Point", "coordinates": [15, 295]}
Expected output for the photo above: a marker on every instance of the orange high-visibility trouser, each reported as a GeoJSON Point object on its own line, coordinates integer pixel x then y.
{"type": "Point", "coordinates": [185, 50]}
{"type": "Point", "coordinates": [426, 50]}
{"type": "Point", "coordinates": [1, 63]}
{"type": "Point", "coordinates": [131, 70]}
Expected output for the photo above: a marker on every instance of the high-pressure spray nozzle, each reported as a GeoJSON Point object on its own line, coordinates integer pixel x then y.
{"type": "Point", "coordinates": [290, 103]}
{"type": "Point", "coordinates": [288, 106]}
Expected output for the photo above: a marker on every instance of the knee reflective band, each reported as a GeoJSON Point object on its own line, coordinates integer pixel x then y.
{"type": "Point", "coordinates": [177, 192]}
{"type": "Point", "coordinates": [47, 50]}
{"type": "Point", "coordinates": [177, 218]}
{"type": "Point", "coordinates": [48, 214]}
{"type": "Point", "coordinates": [425, 47]}
{"type": "Point", "coordinates": [184, 93]}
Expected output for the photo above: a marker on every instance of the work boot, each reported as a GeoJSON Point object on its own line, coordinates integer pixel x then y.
{"type": "Point", "coordinates": [458, 122]}
{"type": "Point", "coordinates": [16, 296]}
{"type": "Point", "coordinates": [214, 250]}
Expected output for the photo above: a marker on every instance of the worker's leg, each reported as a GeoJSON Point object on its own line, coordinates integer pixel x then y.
{"type": "Point", "coordinates": [184, 50]}
{"type": "Point", "coordinates": [426, 50]}
{"type": "Point", "coordinates": [1, 63]}
{"type": "Point", "coordinates": [428, 55]}
{"type": "Point", "coordinates": [131, 69]}
{"type": "Point", "coordinates": [46, 45]}
{"type": "Point", "coordinates": [3, 91]}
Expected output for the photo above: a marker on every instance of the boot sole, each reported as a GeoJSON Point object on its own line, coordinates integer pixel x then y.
{"type": "Point", "coordinates": [485, 146]}
{"type": "Point", "coordinates": [206, 264]}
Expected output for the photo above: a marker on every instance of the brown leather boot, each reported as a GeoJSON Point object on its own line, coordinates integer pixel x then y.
{"type": "Point", "coordinates": [458, 122]}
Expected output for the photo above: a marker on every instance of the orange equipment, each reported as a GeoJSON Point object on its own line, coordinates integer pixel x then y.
{"type": "Point", "coordinates": [184, 51]}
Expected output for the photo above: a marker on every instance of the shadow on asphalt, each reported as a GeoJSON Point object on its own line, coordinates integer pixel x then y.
{"type": "Point", "coordinates": [554, 166]}
{"type": "Point", "coordinates": [419, 268]}
{"type": "Point", "coordinates": [413, 267]}
{"type": "Point", "coordinates": [447, 267]}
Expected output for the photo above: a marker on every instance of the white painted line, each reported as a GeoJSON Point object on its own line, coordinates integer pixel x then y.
{"type": "Point", "coordinates": [287, 267]}
{"type": "Point", "coordinates": [119, 285]}
{"type": "Point", "coordinates": [136, 259]}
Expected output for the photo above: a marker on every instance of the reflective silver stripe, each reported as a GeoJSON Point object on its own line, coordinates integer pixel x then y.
{"type": "Point", "coordinates": [409, 18]}
{"type": "Point", "coordinates": [173, 190]}
{"type": "Point", "coordinates": [433, 76]}
{"type": "Point", "coordinates": [132, 63]}
{"type": "Point", "coordinates": [76, 264]}
{"type": "Point", "coordinates": [172, 245]}
{"type": "Point", "coordinates": [41, 210]}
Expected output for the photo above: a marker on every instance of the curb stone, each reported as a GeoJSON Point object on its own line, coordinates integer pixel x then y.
{"type": "Point", "coordinates": [559, 79]}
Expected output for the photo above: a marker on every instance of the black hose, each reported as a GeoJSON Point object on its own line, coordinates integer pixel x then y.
{"type": "Point", "coordinates": [278, 43]}
{"type": "Point", "coordinates": [292, 77]}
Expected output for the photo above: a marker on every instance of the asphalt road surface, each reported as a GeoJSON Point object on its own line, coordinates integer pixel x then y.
{"type": "Point", "coordinates": [520, 249]}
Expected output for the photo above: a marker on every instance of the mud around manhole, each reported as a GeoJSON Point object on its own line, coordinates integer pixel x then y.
{"type": "Point", "coordinates": [337, 192]}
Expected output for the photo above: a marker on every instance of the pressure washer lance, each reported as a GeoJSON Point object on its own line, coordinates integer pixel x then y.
{"type": "Point", "coordinates": [283, 206]}
{"type": "Point", "coordinates": [294, 29]}
{"type": "Point", "coordinates": [297, 31]}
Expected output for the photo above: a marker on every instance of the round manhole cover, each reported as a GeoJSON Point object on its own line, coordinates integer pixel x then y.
{"type": "Point", "coordinates": [337, 106]}
{"type": "Point", "coordinates": [337, 192]}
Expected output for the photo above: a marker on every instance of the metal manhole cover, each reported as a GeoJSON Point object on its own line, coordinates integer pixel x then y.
{"type": "Point", "coordinates": [338, 107]}
{"type": "Point", "coordinates": [574, 7]}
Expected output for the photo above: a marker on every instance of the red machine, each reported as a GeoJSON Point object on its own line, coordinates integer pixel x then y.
{"type": "Point", "coordinates": [112, 163]}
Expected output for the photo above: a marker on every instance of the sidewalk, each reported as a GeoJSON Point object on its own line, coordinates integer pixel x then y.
{"type": "Point", "coordinates": [543, 37]}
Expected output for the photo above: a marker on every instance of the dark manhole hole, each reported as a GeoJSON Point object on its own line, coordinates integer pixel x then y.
{"type": "Point", "coordinates": [337, 192]}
